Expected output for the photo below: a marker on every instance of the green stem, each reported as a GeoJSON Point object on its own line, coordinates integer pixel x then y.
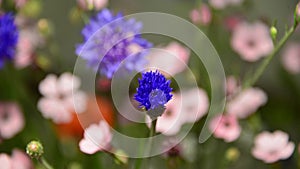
{"type": "Point", "coordinates": [44, 162]}
{"type": "Point", "coordinates": [151, 135]}
{"type": "Point", "coordinates": [153, 127]}
{"type": "Point", "coordinates": [262, 67]}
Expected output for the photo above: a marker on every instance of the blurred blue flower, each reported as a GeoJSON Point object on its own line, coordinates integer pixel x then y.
{"type": "Point", "coordinates": [154, 90]}
{"type": "Point", "coordinates": [8, 38]}
{"type": "Point", "coordinates": [112, 38]}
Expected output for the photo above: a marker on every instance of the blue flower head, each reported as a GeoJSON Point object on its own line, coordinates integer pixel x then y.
{"type": "Point", "coordinates": [109, 39]}
{"type": "Point", "coordinates": [8, 38]}
{"type": "Point", "coordinates": [154, 91]}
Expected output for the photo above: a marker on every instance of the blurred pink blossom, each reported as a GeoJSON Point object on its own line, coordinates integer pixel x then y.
{"type": "Point", "coordinates": [20, 3]}
{"type": "Point", "coordinates": [220, 4]}
{"type": "Point", "coordinates": [97, 137]}
{"type": "Point", "coordinates": [11, 120]}
{"type": "Point", "coordinates": [29, 40]}
{"type": "Point", "coordinates": [201, 15]}
{"type": "Point", "coordinates": [246, 102]}
{"type": "Point", "coordinates": [252, 41]}
{"type": "Point", "coordinates": [225, 127]}
{"type": "Point", "coordinates": [5, 161]}
{"type": "Point", "coordinates": [232, 86]}
{"type": "Point", "coordinates": [18, 160]}
{"type": "Point", "coordinates": [172, 61]}
{"type": "Point", "coordinates": [61, 97]}
{"type": "Point", "coordinates": [179, 111]}
{"type": "Point", "coordinates": [291, 58]}
{"type": "Point", "coordinates": [232, 21]}
{"type": "Point", "coordinates": [90, 4]}
{"type": "Point", "coordinates": [271, 147]}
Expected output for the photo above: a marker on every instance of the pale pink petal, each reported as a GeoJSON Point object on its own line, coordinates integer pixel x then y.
{"type": "Point", "coordinates": [21, 160]}
{"type": "Point", "coordinates": [87, 146]}
{"type": "Point", "coordinates": [11, 120]}
{"type": "Point", "coordinates": [97, 137]}
{"type": "Point", "coordinates": [252, 41]}
{"type": "Point", "coordinates": [287, 151]}
{"type": "Point", "coordinates": [54, 109]}
{"type": "Point", "coordinates": [67, 82]}
{"type": "Point", "coordinates": [195, 104]}
{"type": "Point", "coordinates": [48, 86]}
{"type": "Point", "coordinates": [291, 58]}
{"type": "Point", "coordinates": [218, 4]}
{"type": "Point", "coordinates": [246, 102]}
{"type": "Point", "coordinates": [298, 9]}
{"type": "Point", "coordinates": [271, 147]}
{"type": "Point", "coordinates": [20, 3]}
{"type": "Point", "coordinates": [169, 123]}
{"type": "Point", "coordinates": [99, 4]}
{"type": "Point", "coordinates": [76, 102]}
{"type": "Point", "coordinates": [172, 59]}
{"type": "Point", "coordinates": [195, 16]}
{"type": "Point", "coordinates": [225, 127]}
{"type": "Point", "coordinates": [87, 4]}
{"type": "Point", "coordinates": [5, 161]}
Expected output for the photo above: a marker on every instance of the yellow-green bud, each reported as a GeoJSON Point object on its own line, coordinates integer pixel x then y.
{"type": "Point", "coordinates": [232, 154]}
{"type": "Point", "coordinates": [273, 32]}
{"type": "Point", "coordinates": [35, 149]}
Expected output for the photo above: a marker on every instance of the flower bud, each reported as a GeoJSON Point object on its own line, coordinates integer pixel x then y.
{"type": "Point", "coordinates": [232, 154]}
{"type": "Point", "coordinates": [35, 149]}
{"type": "Point", "coordinates": [273, 32]}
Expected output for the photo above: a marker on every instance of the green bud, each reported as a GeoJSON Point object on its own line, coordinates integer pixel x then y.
{"type": "Point", "coordinates": [273, 32]}
{"type": "Point", "coordinates": [232, 154]}
{"type": "Point", "coordinates": [35, 149]}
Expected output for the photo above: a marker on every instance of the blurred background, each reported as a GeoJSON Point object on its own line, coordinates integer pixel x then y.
{"type": "Point", "coordinates": [59, 25]}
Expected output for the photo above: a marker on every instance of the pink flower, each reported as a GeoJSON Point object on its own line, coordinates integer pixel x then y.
{"type": "Point", "coordinates": [11, 120]}
{"type": "Point", "coordinates": [5, 161]}
{"type": "Point", "coordinates": [299, 148]}
{"type": "Point", "coordinates": [225, 127]}
{"type": "Point", "coordinates": [172, 60]}
{"type": "Point", "coordinates": [188, 107]}
{"type": "Point", "coordinates": [29, 41]}
{"type": "Point", "coordinates": [97, 137]}
{"type": "Point", "coordinates": [90, 4]}
{"type": "Point", "coordinates": [201, 15]}
{"type": "Point", "coordinates": [246, 102]}
{"type": "Point", "coordinates": [232, 86]}
{"type": "Point", "coordinates": [232, 21]}
{"type": "Point", "coordinates": [271, 147]}
{"type": "Point", "coordinates": [59, 101]}
{"type": "Point", "coordinates": [220, 4]}
{"type": "Point", "coordinates": [252, 41]}
{"type": "Point", "coordinates": [18, 160]}
{"type": "Point", "coordinates": [291, 58]}
{"type": "Point", "coordinates": [20, 3]}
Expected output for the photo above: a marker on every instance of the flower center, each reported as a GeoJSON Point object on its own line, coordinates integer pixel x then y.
{"type": "Point", "coordinates": [157, 98]}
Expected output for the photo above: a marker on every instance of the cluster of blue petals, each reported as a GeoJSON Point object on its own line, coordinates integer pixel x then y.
{"type": "Point", "coordinates": [8, 38]}
{"type": "Point", "coordinates": [107, 41]}
{"type": "Point", "coordinates": [154, 90]}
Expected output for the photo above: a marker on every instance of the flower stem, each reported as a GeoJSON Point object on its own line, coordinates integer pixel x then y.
{"type": "Point", "coordinates": [153, 127]}
{"type": "Point", "coordinates": [262, 67]}
{"type": "Point", "coordinates": [152, 133]}
{"type": "Point", "coordinates": [44, 162]}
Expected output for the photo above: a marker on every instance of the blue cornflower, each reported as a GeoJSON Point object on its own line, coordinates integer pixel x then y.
{"type": "Point", "coordinates": [154, 91]}
{"type": "Point", "coordinates": [8, 38]}
{"type": "Point", "coordinates": [106, 36]}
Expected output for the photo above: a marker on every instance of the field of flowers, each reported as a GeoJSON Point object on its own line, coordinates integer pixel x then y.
{"type": "Point", "coordinates": [139, 84]}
